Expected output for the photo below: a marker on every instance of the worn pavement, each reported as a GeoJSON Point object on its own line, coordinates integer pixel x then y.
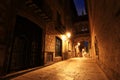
{"type": "Point", "coordinates": [71, 69]}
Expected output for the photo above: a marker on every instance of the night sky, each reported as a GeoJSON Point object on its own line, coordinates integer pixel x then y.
{"type": "Point", "coordinates": [80, 6]}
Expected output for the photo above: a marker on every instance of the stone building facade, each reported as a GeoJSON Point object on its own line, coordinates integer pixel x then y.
{"type": "Point", "coordinates": [104, 17]}
{"type": "Point", "coordinates": [31, 33]}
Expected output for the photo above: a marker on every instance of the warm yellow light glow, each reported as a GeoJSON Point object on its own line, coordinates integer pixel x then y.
{"type": "Point", "coordinates": [63, 37]}
{"type": "Point", "coordinates": [78, 44]}
{"type": "Point", "coordinates": [68, 35]}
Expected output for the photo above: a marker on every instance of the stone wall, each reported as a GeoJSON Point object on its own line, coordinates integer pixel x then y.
{"type": "Point", "coordinates": [6, 26]}
{"type": "Point", "coordinates": [10, 9]}
{"type": "Point", "coordinates": [51, 33]}
{"type": "Point", "coordinates": [104, 16]}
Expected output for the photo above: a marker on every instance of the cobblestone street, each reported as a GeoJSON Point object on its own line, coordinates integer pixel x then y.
{"type": "Point", "coordinates": [71, 69]}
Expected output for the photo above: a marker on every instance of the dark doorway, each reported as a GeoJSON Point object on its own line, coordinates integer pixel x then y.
{"type": "Point", "coordinates": [27, 46]}
{"type": "Point", "coordinates": [58, 47]}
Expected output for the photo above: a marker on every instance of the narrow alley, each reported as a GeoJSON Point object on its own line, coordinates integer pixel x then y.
{"type": "Point", "coordinates": [71, 69]}
{"type": "Point", "coordinates": [60, 39]}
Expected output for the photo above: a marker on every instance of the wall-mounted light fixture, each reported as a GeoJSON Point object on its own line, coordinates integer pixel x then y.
{"type": "Point", "coordinates": [68, 34]}
{"type": "Point", "coordinates": [78, 44]}
{"type": "Point", "coordinates": [64, 37]}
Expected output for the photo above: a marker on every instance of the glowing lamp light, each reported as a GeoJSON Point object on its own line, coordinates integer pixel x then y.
{"type": "Point", "coordinates": [63, 37]}
{"type": "Point", "coordinates": [78, 44]}
{"type": "Point", "coordinates": [68, 35]}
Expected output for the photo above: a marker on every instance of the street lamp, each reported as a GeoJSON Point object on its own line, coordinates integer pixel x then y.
{"type": "Point", "coordinates": [68, 34]}
{"type": "Point", "coordinates": [66, 38]}
{"type": "Point", "coordinates": [63, 37]}
{"type": "Point", "coordinates": [78, 44]}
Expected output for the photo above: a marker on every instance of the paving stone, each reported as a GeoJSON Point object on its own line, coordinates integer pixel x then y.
{"type": "Point", "coordinates": [71, 69]}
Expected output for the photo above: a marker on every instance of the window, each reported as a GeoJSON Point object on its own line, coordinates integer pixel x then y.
{"type": "Point", "coordinates": [58, 47]}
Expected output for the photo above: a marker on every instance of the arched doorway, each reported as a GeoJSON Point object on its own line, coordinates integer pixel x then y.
{"type": "Point", "coordinates": [83, 48]}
